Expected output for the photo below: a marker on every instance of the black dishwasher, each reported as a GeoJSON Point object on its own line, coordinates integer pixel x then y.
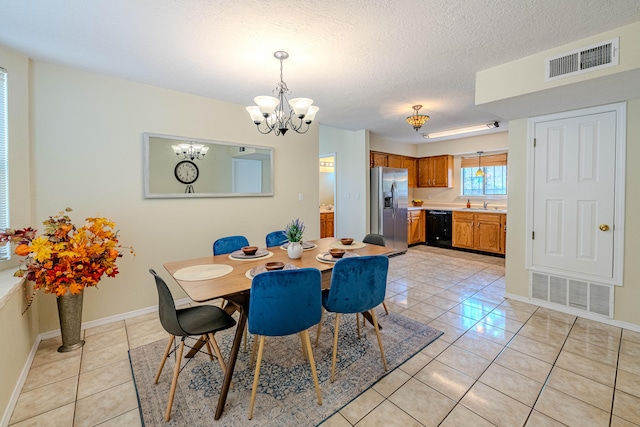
{"type": "Point", "coordinates": [439, 228]}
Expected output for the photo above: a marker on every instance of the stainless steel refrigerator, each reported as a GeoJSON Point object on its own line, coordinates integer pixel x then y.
{"type": "Point", "coordinates": [389, 200]}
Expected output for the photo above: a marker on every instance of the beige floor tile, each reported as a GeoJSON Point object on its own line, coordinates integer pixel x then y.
{"type": "Point", "coordinates": [524, 364]}
{"type": "Point", "coordinates": [592, 392]}
{"type": "Point", "coordinates": [106, 405]}
{"type": "Point", "coordinates": [105, 356]}
{"type": "Point", "coordinates": [390, 383]}
{"type": "Point", "coordinates": [555, 315]}
{"type": "Point", "coordinates": [536, 419]}
{"type": "Point", "coordinates": [512, 384]}
{"type": "Point", "coordinates": [441, 302]}
{"type": "Point", "coordinates": [631, 335]}
{"type": "Point", "coordinates": [544, 352]}
{"type": "Point", "coordinates": [417, 362]}
{"type": "Point", "coordinates": [630, 348]}
{"type": "Point", "coordinates": [425, 320]}
{"type": "Point", "coordinates": [619, 422]}
{"type": "Point", "coordinates": [461, 416]}
{"type": "Point", "coordinates": [451, 333]}
{"type": "Point", "coordinates": [626, 406]}
{"type": "Point", "coordinates": [596, 371]}
{"type": "Point", "coordinates": [456, 320]}
{"type": "Point", "coordinates": [104, 378]}
{"type": "Point", "coordinates": [361, 406]}
{"type": "Point", "coordinates": [593, 326]}
{"type": "Point", "coordinates": [628, 382]}
{"type": "Point", "coordinates": [591, 351]}
{"type": "Point", "coordinates": [48, 353]}
{"type": "Point", "coordinates": [464, 361]}
{"type": "Point", "coordinates": [448, 381]}
{"type": "Point", "coordinates": [520, 306]}
{"type": "Point", "coordinates": [39, 400]}
{"type": "Point", "coordinates": [142, 329]}
{"type": "Point", "coordinates": [501, 322]}
{"type": "Point", "coordinates": [569, 410]}
{"type": "Point", "coordinates": [542, 335]}
{"type": "Point", "coordinates": [417, 294]}
{"type": "Point", "coordinates": [103, 328]}
{"type": "Point", "coordinates": [336, 420]}
{"type": "Point", "coordinates": [141, 318]}
{"type": "Point", "coordinates": [596, 337]}
{"type": "Point", "coordinates": [467, 311]}
{"type": "Point", "coordinates": [128, 419]}
{"type": "Point", "coordinates": [403, 301]}
{"type": "Point", "coordinates": [388, 415]}
{"type": "Point", "coordinates": [435, 348]}
{"type": "Point", "coordinates": [495, 407]}
{"type": "Point", "coordinates": [148, 339]}
{"type": "Point", "coordinates": [53, 372]}
{"type": "Point", "coordinates": [547, 323]}
{"type": "Point", "coordinates": [105, 339]}
{"type": "Point", "coordinates": [478, 345]}
{"type": "Point", "coordinates": [492, 333]}
{"type": "Point", "coordinates": [427, 310]}
{"type": "Point", "coordinates": [629, 364]}
{"type": "Point", "coordinates": [62, 416]}
{"type": "Point", "coordinates": [411, 398]}
{"type": "Point", "coordinates": [520, 316]}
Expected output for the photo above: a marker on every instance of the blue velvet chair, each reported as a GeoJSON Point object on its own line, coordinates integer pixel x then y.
{"type": "Point", "coordinates": [276, 238]}
{"type": "Point", "coordinates": [285, 302]}
{"type": "Point", "coordinates": [358, 285]}
{"type": "Point", "coordinates": [201, 321]}
{"type": "Point", "coordinates": [378, 240]}
{"type": "Point", "coordinates": [226, 245]}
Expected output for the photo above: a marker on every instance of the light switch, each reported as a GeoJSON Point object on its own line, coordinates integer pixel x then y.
{"type": "Point", "coordinates": [300, 197]}
{"type": "Point", "coordinates": [357, 196]}
{"type": "Point", "coordinates": [347, 195]}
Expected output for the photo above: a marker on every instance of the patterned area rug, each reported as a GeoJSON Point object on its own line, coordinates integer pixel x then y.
{"type": "Point", "coordinates": [286, 395]}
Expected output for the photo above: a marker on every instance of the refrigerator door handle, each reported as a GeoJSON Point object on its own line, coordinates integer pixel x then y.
{"type": "Point", "coordinates": [394, 198]}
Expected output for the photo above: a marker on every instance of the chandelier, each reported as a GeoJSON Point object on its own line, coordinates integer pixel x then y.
{"type": "Point", "coordinates": [480, 171]}
{"type": "Point", "coordinates": [190, 151]}
{"type": "Point", "coordinates": [416, 119]}
{"type": "Point", "coordinates": [271, 110]}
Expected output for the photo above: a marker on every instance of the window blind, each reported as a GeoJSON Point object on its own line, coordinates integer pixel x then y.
{"type": "Point", "coordinates": [488, 160]}
{"type": "Point", "coordinates": [5, 250]}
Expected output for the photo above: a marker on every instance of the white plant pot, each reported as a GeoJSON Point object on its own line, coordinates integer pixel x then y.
{"type": "Point", "coordinates": [294, 250]}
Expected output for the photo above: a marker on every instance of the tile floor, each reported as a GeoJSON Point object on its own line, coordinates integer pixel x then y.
{"type": "Point", "coordinates": [500, 362]}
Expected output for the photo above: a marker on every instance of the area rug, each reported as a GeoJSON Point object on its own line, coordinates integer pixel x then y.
{"type": "Point", "coordinates": [286, 395]}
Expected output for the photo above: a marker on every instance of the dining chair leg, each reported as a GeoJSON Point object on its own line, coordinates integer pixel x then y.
{"type": "Point", "coordinates": [206, 341]}
{"type": "Point", "coordinates": [174, 382]}
{"type": "Point", "coordinates": [256, 376]}
{"type": "Point", "coordinates": [164, 358]}
{"type": "Point", "coordinates": [384, 305]}
{"type": "Point", "coordinates": [254, 349]}
{"type": "Point", "coordinates": [358, 323]}
{"type": "Point", "coordinates": [216, 348]}
{"type": "Point", "coordinates": [375, 325]}
{"type": "Point", "coordinates": [245, 341]}
{"type": "Point", "coordinates": [304, 347]}
{"type": "Point", "coordinates": [335, 348]}
{"type": "Point", "coordinates": [319, 327]}
{"type": "Point", "coordinates": [307, 344]}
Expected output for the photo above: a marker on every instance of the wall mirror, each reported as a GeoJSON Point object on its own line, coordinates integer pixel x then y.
{"type": "Point", "coordinates": [179, 167]}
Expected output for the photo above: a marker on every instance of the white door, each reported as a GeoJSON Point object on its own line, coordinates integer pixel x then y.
{"type": "Point", "coordinates": [574, 194]}
{"type": "Point", "coordinates": [247, 176]}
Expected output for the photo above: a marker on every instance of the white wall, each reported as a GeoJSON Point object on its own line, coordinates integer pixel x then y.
{"type": "Point", "coordinates": [87, 154]}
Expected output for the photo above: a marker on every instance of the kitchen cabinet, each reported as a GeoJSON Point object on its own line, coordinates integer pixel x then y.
{"type": "Point", "coordinates": [394, 161]}
{"type": "Point", "coordinates": [479, 231]}
{"type": "Point", "coordinates": [377, 159]}
{"type": "Point", "coordinates": [409, 163]}
{"type": "Point", "coordinates": [415, 227]}
{"type": "Point", "coordinates": [436, 171]}
{"type": "Point", "coordinates": [326, 224]}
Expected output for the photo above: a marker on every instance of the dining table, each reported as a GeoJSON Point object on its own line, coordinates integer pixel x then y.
{"type": "Point", "coordinates": [229, 276]}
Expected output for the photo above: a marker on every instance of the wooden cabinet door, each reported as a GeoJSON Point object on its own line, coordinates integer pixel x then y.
{"type": "Point", "coordinates": [378, 159]}
{"type": "Point", "coordinates": [323, 222]}
{"type": "Point", "coordinates": [503, 238]}
{"type": "Point", "coordinates": [422, 221]}
{"type": "Point", "coordinates": [415, 229]}
{"type": "Point", "coordinates": [442, 171]}
{"type": "Point", "coordinates": [410, 164]}
{"type": "Point", "coordinates": [488, 232]}
{"type": "Point", "coordinates": [394, 161]}
{"type": "Point", "coordinates": [425, 172]}
{"type": "Point", "coordinates": [462, 230]}
{"type": "Point", "coordinates": [328, 226]}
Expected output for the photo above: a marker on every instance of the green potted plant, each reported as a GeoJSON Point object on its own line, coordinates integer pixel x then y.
{"type": "Point", "coordinates": [293, 232]}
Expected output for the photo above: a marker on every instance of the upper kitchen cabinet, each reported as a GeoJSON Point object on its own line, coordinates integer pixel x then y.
{"type": "Point", "coordinates": [377, 159]}
{"type": "Point", "coordinates": [394, 161]}
{"type": "Point", "coordinates": [409, 163]}
{"type": "Point", "coordinates": [436, 171]}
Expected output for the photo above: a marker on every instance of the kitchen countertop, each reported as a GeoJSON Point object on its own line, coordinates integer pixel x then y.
{"type": "Point", "coordinates": [490, 209]}
{"type": "Point", "coordinates": [322, 210]}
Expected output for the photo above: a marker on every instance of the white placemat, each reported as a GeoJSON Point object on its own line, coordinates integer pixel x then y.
{"type": "Point", "coordinates": [306, 246]}
{"type": "Point", "coordinates": [355, 245]}
{"type": "Point", "coordinates": [202, 272]}
{"type": "Point", "coordinates": [326, 257]}
{"type": "Point", "coordinates": [260, 254]}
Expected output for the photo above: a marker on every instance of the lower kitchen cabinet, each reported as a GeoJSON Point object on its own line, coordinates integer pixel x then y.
{"type": "Point", "coordinates": [479, 231]}
{"type": "Point", "coordinates": [416, 227]}
{"type": "Point", "coordinates": [326, 224]}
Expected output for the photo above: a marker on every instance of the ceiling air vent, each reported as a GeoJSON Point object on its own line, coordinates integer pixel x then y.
{"type": "Point", "coordinates": [579, 61]}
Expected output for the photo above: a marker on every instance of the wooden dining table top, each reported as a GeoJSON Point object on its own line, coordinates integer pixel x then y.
{"type": "Point", "coordinates": [237, 281]}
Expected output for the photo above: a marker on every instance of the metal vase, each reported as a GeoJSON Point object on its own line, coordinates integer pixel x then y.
{"type": "Point", "coordinates": [70, 315]}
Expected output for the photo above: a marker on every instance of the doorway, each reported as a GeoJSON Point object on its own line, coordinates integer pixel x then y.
{"type": "Point", "coordinates": [327, 194]}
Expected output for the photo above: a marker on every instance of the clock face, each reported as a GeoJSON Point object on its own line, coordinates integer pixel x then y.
{"type": "Point", "coordinates": [186, 172]}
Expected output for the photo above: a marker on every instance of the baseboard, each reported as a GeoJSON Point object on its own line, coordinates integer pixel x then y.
{"type": "Point", "coordinates": [574, 312]}
{"type": "Point", "coordinates": [55, 333]}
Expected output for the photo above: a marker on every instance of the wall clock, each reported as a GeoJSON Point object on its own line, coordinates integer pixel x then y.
{"type": "Point", "coordinates": [186, 172]}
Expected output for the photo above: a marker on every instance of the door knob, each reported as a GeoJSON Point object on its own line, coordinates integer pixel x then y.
{"type": "Point", "coordinates": [604, 227]}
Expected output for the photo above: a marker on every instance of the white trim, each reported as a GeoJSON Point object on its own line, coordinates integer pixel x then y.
{"type": "Point", "coordinates": [13, 399]}
{"type": "Point", "coordinates": [574, 312]}
{"type": "Point", "coordinates": [620, 174]}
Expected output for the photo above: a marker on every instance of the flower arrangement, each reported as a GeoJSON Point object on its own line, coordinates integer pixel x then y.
{"type": "Point", "coordinates": [293, 231]}
{"type": "Point", "coordinates": [66, 258]}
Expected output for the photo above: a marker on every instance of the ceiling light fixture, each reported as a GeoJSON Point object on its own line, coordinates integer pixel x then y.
{"type": "Point", "coordinates": [271, 111]}
{"type": "Point", "coordinates": [480, 171]}
{"type": "Point", "coordinates": [190, 151]}
{"type": "Point", "coordinates": [416, 119]}
{"type": "Point", "coordinates": [460, 131]}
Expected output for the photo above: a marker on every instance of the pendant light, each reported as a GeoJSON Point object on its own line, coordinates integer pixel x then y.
{"type": "Point", "coordinates": [480, 171]}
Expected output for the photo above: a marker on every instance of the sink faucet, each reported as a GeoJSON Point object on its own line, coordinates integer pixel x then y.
{"type": "Point", "coordinates": [485, 204]}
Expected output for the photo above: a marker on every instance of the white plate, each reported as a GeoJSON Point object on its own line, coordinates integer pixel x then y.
{"type": "Point", "coordinates": [306, 246]}
{"type": "Point", "coordinates": [202, 272]}
{"type": "Point", "coordinates": [240, 256]}
{"type": "Point", "coordinates": [252, 272]}
{"type": "Point", "coordinates": [326, 257]}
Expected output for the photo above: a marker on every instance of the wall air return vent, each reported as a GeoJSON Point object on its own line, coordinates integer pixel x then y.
{"type": "Point", "coordinates": [580, 61]}
{"type": "Point", "coordinates": [576, 294]}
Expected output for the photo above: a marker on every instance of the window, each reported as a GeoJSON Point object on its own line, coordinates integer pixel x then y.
{"type": "Point", "coordinates": [5, 250]}
{"type": "Point", "coordinates": [494, 181]}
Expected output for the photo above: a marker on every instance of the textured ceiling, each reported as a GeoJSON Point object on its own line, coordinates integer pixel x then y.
{"type": "Point", "coordinates": [364, 62]}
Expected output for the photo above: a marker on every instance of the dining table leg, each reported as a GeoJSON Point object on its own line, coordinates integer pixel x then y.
{"type": "Point", "coordinates": [237, 340]}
